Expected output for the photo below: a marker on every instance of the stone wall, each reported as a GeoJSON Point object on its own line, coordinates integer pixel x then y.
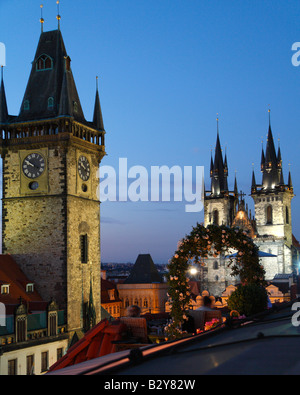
{"type": "Point", "coordinates": [42, 230]}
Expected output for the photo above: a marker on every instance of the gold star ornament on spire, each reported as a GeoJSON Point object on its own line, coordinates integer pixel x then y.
{"type": "Point", "coordinates": [42, 19]}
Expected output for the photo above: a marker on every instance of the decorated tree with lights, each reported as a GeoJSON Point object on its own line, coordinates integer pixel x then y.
{"type": "Point", "coordinates": [200, 244]}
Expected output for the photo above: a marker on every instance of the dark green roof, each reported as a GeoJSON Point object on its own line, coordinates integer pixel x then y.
{"type": "Point", "coordinates": [144, 271]}
{"type": "Point", "coordinates": [54, 81]}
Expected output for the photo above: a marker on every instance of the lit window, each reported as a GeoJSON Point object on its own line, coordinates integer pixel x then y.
{"type": "Point", "coordinates": [5, 289]}
{"type": "Point", "coordinates": [29, 288]}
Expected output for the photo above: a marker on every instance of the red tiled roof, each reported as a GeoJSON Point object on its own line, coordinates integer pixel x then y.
{"type": "Point", "coordinates": [295, 242]}
{"type": "Point", "coordinates": [11, 274]}
{"type": "Point", "coordinates": [107, 285]}
{"type": "Point", "coordinates": [97, 342]}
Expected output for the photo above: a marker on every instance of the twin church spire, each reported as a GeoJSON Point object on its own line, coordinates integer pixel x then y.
{"type": "Point", "coordinates": [271, 168]}
{"type": "Point", "coordinates": [219, 171]}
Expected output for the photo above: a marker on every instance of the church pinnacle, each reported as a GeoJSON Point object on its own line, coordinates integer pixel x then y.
{"type": "Point", "coordinates": [3, 103]}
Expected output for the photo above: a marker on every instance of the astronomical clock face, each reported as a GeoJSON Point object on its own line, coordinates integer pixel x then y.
{"type": "Point", "coordinates": [33, 165]}
{"type": "Point", "coordinates": [83, 168]}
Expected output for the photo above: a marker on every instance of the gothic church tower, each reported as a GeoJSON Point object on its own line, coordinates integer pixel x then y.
{"type": "Point", "coordinates": [51, 209]}
{"type": "Point", "coordinates": [272, 201]}
{"type": "Point", "coordinates": [219, 202]}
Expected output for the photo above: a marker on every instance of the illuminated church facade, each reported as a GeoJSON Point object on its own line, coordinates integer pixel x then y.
{"type": "Point", "coordinates": [270, 226]}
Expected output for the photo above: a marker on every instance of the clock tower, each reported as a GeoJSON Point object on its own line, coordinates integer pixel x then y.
{"type": "Point", "coordinates": [50, 206]}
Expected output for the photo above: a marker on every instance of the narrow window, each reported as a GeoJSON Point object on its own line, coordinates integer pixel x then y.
{"type": "Point", "coordinates": [216, 265]}
{"type": "Point", "coordinates": [48, 63]}
{"type": "Point", "coordinates": [26, 105]}
{"type": "Point", "coordinates": [68, 63]}
{"type": "Point", "coordinates": [44, 361]}
{"type": "Point", "coordinates": [75, 106]}
{"type": "Point", "coordinates": [12, 367]}
{"type": "Point", "coordinates": [287, 218]}
{"type": "Point", "coordinates": [269, 215]}
{"type": "Point", "coordinates": [52, 324]}
{"type": "Point", "coordinates": [84, 248]}
{"type": "Point", "coordinates": [50, 103]}
{"type": "Point", "coordinates": [216, 217]}
{"type": "Point", "coordinates": [30, 365]}
{"type": "Point", "coordinates": [21, 329]}
{"type": "Point", "coordinates": [59, 353]}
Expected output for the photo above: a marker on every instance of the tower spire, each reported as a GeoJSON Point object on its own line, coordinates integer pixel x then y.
{"type": "Point", "coordinates": [3, 103]}
{"type": "Point", "coordinates": [42, 19]}
{"type": "Point", "coordinates": [58, 17]}
{"type": "Point", "coordinates": [97, 118]}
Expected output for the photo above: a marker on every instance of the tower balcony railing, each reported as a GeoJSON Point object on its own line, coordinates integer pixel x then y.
{"type": "Point", "coordinates": [12, 134]}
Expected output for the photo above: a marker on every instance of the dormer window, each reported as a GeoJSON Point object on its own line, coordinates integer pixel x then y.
{"type": "Point", "coordinates": [5, 289]}
{"type": "Point", "coordinates": [50, 103]}
{"type": "Point", "coordinates": [29, 288]}
{"type": "Point", "coordinates": [75, 106]}
{"type": "Point", "coordinates": [26, 105]}
{"type": "Point", "coordinates": [44, 62]}
{"type": "Point", "coordinates": [68, 63]}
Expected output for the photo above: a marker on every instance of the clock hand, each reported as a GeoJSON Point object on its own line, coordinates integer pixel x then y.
{"type": "Point", "coordinates": [29, 163]}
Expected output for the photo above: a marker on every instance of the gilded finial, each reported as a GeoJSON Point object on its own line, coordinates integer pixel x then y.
{"type": "Point", "coordinates": [58, 17]}
{"type": "Point", "coordinates": [42, 19]}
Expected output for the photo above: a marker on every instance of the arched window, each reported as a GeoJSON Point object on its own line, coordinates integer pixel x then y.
{"type": "Point", "coordinates": [269, 215]}
{"type": "Point", "coordinates": [44, 62]}
{"type": "Point", "coordinates": [50, 103]}
{"type": "Point", "coordinates": [216, 217]}
{"type": "Point", "coordinates": [287, 218]}
{"type": "Point", "coordinates": [75, 106]}
{"type": "Point", "coordinates": [26, 105]}
{"type": "Point", "coordinates": [216, 265]}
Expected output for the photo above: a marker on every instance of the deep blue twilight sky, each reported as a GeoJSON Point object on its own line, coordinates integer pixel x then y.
{"type": "Point", "coordinates": [166, 68]}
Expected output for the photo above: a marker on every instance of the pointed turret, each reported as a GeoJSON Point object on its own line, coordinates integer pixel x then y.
{"type": "Point", "coordinates": [253, 184]}
{"type": "Point", "coordinates": [279, 159]}
{"type": "Point", "coordinates": [290, 183]}
{"type": "Point", "coordinates": [236, 192]}
{"type": "Point", "coordinates": [271, 168]}
{"type": "Point", "coordinates": [219, 172]}
{"type": "Point", "coordinates": [97, 118]}
{"type": "Point", "coordinates": [3, 103]}
{"type": "Point", "coordinates": [263, 160]}
{"type": "Point", "coordinates": [271, 176]}
{"type": "Point", "coordinates": [211, 165]}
